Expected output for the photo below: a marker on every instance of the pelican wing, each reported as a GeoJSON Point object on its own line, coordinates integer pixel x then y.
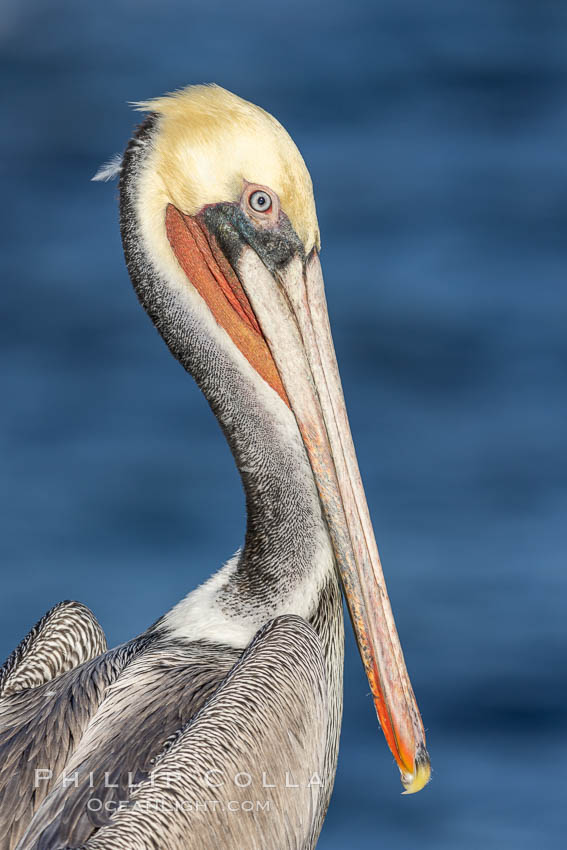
{"type": "Point", "coordinates": [51, 685]}
{"type": "Point", "coordinates": [65, 637]}
{"type": "Point", "coordinates": [245, 771]}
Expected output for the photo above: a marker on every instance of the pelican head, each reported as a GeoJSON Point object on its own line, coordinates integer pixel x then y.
{"type": "Point", "coordinates": [219, 212]}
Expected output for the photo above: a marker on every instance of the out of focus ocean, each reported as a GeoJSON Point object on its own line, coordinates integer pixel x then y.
{"type": "Point", "coordinates": [436, 137]}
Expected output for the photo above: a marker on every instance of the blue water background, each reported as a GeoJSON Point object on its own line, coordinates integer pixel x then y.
{"type": "Point", "coordinates": [436, 137]}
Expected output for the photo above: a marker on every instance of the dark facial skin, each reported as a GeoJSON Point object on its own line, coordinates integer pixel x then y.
{"type": "Point", "coordinates": [275, 244]}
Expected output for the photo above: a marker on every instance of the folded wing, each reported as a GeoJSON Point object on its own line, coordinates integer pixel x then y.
{"type": "Point", "coordinates": [245, 771]}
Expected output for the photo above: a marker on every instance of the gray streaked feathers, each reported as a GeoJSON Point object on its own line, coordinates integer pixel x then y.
{"type": "Point", "coordinates": [40, 729]}
{"type": "Point", "coordinates": [157, 692]}
{"type": "Point", "coordinates": [156, 708]}
{"type": "Point", "coordinates": [266, 719]}
{"type": "Point", "coordinates": [64, 637]}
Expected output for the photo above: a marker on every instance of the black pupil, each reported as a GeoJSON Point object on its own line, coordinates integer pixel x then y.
{"type": "Point", "coordinates": [261, 200]}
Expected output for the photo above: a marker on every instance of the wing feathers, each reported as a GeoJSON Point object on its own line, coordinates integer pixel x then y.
{"type": "Point", "coordinates": [243, 770]}
{"type": "Point", "coordinates": [40, 728]}
{"type": "Point", "coordinates": [65, 637]}
{"type": "Point", "coordinates": [247, 771]}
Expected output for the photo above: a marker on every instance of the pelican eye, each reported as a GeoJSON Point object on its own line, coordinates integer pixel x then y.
{"type": "Point", "coordinates": [260, 201]}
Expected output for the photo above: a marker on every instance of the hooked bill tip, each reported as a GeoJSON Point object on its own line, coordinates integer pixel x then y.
{"type": "Point", "coordinates": [414, 782]}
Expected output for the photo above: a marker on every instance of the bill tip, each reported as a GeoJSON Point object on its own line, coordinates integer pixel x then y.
{"type": "Point", "coordinates": [414, 782]}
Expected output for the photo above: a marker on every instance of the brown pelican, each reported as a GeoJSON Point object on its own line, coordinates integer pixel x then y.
{"type": "Point", "coordinates": [219, 725]}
